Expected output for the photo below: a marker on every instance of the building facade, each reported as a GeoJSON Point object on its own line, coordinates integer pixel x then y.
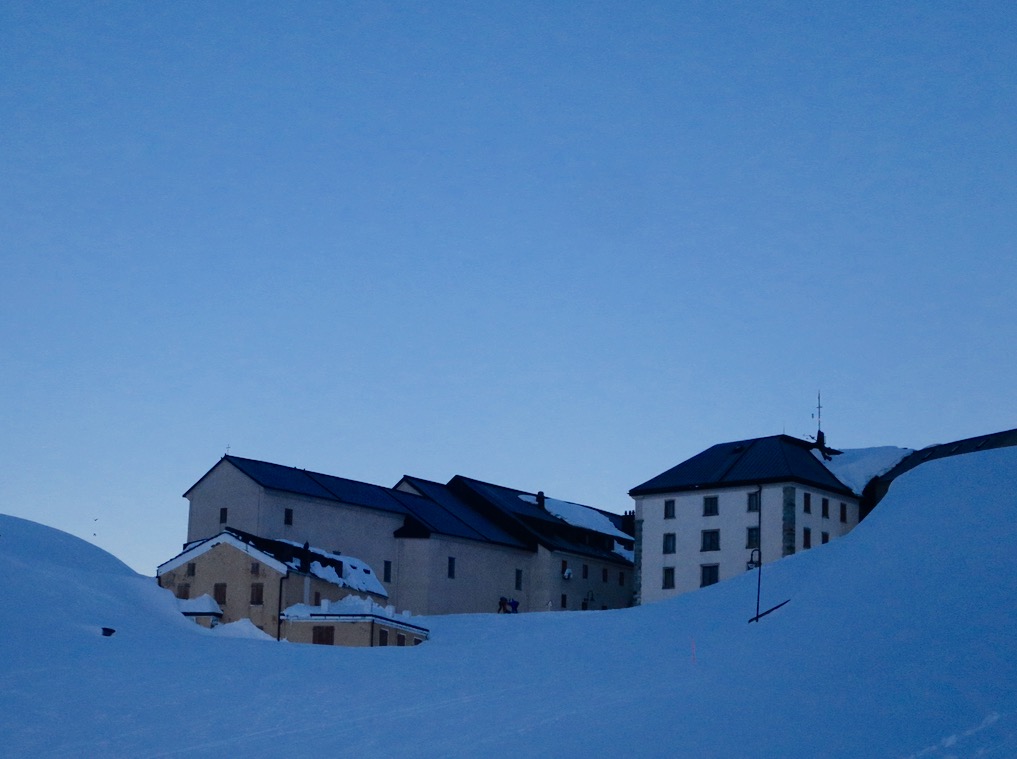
{"type": "Point", "coordinates": [437, 548]}
{"type": "Point", "coordinates": [727, 509]}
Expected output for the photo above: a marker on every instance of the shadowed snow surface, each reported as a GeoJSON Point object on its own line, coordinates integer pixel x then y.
{"type": "Point", "coordinates": [899, 641]}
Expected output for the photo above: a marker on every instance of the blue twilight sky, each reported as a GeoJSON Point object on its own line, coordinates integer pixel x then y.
{"type": "Point", "coordinates": [557, 246]}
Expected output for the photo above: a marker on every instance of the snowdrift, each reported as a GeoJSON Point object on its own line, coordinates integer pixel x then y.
{"type": "Point", "coordinates": [898, 641]}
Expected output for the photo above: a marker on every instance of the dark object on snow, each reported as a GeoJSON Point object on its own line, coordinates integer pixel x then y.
{"type": "Point", "coordinates": [107, 632]}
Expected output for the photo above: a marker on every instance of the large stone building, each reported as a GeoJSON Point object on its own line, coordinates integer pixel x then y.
{"type": "Point", "coordinates": [437, 548]}
{"type": "Point", "coordinates": [732, 506]}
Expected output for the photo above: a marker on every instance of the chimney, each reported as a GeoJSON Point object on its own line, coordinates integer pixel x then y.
{"type": "Point", "coordinates": [541, 499]}
{"type": "Point", "coordinates": [305, 558]}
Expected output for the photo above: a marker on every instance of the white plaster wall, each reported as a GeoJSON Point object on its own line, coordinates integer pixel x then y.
{"type": "Point", "coordinates": [224, 486]}
{"type": "Point", "coordinates": [733, 520]}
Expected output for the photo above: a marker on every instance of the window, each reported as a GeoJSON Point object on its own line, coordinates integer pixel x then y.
{"type": "Point", "coordinates": [711, 540]}
{"type": "Point", "coordinates": [257, 593]}
{"type": "Point", "coordinates": [586, 572]}
{"type": "Point", "coordinates": [387, 570]}
{"type": "Point", "coordinates": [621, 578]}
{"type": "Point", "coordinates": [807, 504]}
{"type": "Point", "coordinates": [711, 505]}
{"type": "Point", "coordinates": [288, 516]}
{"type": "Point", "coordinates": [669, 542]}
{"type": "Point", "coordinates": [451, 567]}
{"type": "Point", "coordinates": [255, 569]}
{"type": "Point", "coordinates": [222, 515]}
{"type": "Point", "coordinates": [191, 568]}
{"type": "Point", "coordinates": [417, 641]}
{"type": "Point", "coordinates": [806, 538]}
{"type": "Point", "coordinates": [400, 639]}
{"type": "Point", "coordinates": [669, 508]}
{"type": "Point", "coordinates": [383, 637]}
{"type": "Point", "coordinates": [825, 537]}
{"type": "Point", "coordinates": [603, 574]}
{"type": "Point", "coordinates": [753, 501]}
{"type": "Point", "coordinates": [184, 590]}
{"type": "Point", "coordinates": [564, 601]}
{"type": "Point", "coordinates": [323, 635]}
{"type": "Point", "coordinates": [317, 598]}
{"type": "Point", "coordinates": [752, 537]}
{"type": "Point", "coordinates": [668, 583]}
{"type": "Point", "coordinates": [843, 512]}
{"type": "Point", "coordinates": [709, 574]}
{"type": "Point", "coordinates": [219, 593]}
{"type": "Point", "coordinates": [564, 566]}
{"type": "Point", "coordinates": [519, 579]}
{"type": "Point", "coordinates": [826, 508]}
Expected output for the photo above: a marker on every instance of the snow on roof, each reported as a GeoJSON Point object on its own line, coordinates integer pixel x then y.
{"type": "Point", "coordinates": [855, 467]}
{"type": "Point", "coordinates": [203, 605]}
{"type": "Point", "coordinates": [223, 538]}
{"type": "Point", "coordinates": [356, 573]}
{"type": "Point", "coordinates": [578, 515]}
{"type": "Point", "coordinates": [351, 608]}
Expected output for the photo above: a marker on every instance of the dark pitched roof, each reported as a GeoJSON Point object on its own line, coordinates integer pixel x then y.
{"type": "Point", "coordinates": [780, 458]}
{"type": "Point", "coordinates": [300, 481]}
{"type": "Point", "coordinates": [545, 528]}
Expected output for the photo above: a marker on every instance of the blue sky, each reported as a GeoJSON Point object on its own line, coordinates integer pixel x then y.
{"type": "Point", "coordinates": [554, 246]}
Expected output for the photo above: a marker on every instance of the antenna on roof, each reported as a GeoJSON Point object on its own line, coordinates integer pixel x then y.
{"type": "Point", "coordinates": [227, 449]}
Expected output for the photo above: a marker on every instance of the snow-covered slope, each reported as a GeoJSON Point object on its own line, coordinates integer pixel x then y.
{"type": "Point", "coordinates": [898, 641]}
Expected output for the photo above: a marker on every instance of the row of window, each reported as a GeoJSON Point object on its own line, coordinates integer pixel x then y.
{"type": "Point", "coordinates": [324, 635]}
{"type": "Point", "coordinates": [287, 516]}
{"type": "Point", "coordinates": [711, 506]}
{"type": "Point", "coordinates": [710, 540]}
{"type": "Point", "coordinates": [604, 574]}
{"type": "Point", "coordinates": [709, 574]}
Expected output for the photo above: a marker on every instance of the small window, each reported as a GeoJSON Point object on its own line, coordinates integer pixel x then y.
{"type": "Point", "coordinates": [669, 542]}
{"type": "Point", "coordinates": [603, 574]}
{"type": "Point", "coordinates": [711, 505]}
{"type": "Point", "coordinates": [255, 569]}
{"type": "Point", "coordinates": [711, 540]}
{"type": "Point", "coordinates": [752, 537]}
{"type": "Point", "coordinates": [807, 503]}
{"type": "Point", "coordinates": [257, 593]}
{"type": "Point", "coordinates": [191, 568]}
{"type": "Point", "coordinates": [382, 637]}
{"type": "Point", "coordinates": [400, 639]}
{"type": "Point", "coordinates": [669, 508]}
{"type": "Point", "coordinates": [323, 635]}
{"type": "Point", "coordinates": [222, 515]}
{"type": "Point", "coordinates": [843, 512]}
{"type": "Point", "coordinates": [184, 590]}
{"type": "Point", "coordinates": [668, 583]}
{"type": "Point", "coordinates": [753, 501]}
{"type": "Point", "coordinates": [219, 593]}
{"type": "Point", "coordinates": [806, 538]}
{"type": "Point", "coordinates": [709, 574]}
{"type": "Point", "coordinates": [387, 570]}
{"type": "Point", "coordinates": [417, 641]}
{"type": "Point", "coordinates": [564, 601]}
{"type": "Point", "coordinates": [825, 537]}
{"type": "Point", "coordinates": [586, 572]}
{"type": "Point", "coordinates": [451, 567]}
{"type": "Point", "coordinates": [826, 508]}
{"type": "Point", "coordinates": [621, 579]}
{"type": "Point", "coordinates": [288, 516]}
{"type": "Point", "coordinates": [519, 579]}
{"type": "Point", "coordinates": [564, 566]}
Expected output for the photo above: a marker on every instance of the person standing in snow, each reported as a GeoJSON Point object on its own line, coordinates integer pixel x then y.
{"type": "Point", "coordinates": [503, 605]}
{"type": "Point", "coordinates": [513, 606]}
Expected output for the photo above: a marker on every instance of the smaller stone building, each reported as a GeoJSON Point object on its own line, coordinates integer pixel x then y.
{"type": "Point", "coordinates": [353, 621]}
{"type": "Point", "coordinates": [249, 577]}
